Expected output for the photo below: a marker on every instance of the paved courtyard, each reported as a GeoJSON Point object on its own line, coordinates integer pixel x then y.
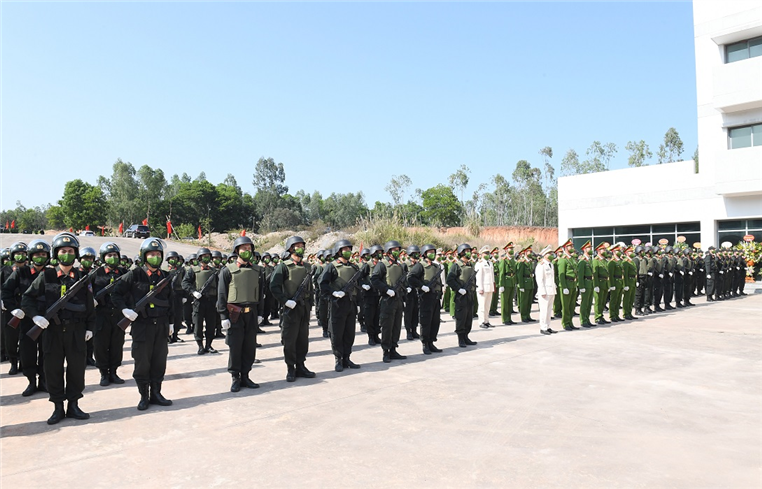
{"type": "Point", "coordinates": [671, 400]}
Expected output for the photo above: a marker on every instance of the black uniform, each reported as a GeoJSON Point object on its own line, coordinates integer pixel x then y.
{"type": "Point", "coordinates": [430, 275]}
{"type": "Point", "coordinates": [285, 282]}
{"type": "Point", "coordinates": [343, 310]}
{"type": "Point", "coordinates": [370, 302]}
{"type": "Point", "coordinates": [203, 279]}
{"type": "Point", "coordinates": [108, 339]}
{"type": "Point", "coordinates": [457, 277]}
{"type": "Point", "coordinates": [388, 275]}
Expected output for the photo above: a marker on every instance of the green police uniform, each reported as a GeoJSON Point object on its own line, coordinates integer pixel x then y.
{"type": "Point", "coordinates": [630, 274]}
{"type": "Point", "coordinates": [507, 280]}
{"type": "Point", "coordinates": [616, 283]}
{"type": "Point", "coordinates": [567, 279]}
{"type": "Point", "coordinates": [601, 283]}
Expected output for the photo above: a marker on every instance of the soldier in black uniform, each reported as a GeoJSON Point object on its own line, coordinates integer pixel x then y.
{"type": "Point", "coordinates": [174, 265]}
{"type": "Point", "coordinates": [200, 282]}
{"type": "Point", "coordinates": [239, 303]}
{"type": "Point", "coordinates": [63, 340]}
{"type": "Point", "coordinates": [700, 275]}
{"type": "Point", "coordinates": [669, 278]}
{"type": "Point", "coordinates": [388, 278]}
{"type": "Point", "coordinates": [108, 339]}
{"type": "Point", "coordinates": [86, 261]}
{"type": "Point", "coordinates": [458, 277]}
{"type": "Point", "coordinates": [287, 279]}
{"type": "Point", "coordinates": [411, 300]}
{"type": "Point", "coordinates": [710, 267]}
{"type": "Point", "coordinates": [688, 277]}
{"type": "Point", "coordinates": [18, 253]}
{"type": "Point", "coordinates": [151, 328]}
{"type": "Point", "coordinates": [343, 303]}
{"type": "Point", "coordinates": [658, 278]}
{"type": "Point", "coordinates": [5, 272]}
{"type": "Point", "coordinates": [321, 307]}
{"type": "Point", "coordinates": [188, 302]}
{"type": "Point", "coordinates": [426, 278]}
{"type": "Point", "coordinates": [370, 258]}
{"type": "Point", "coordinates": [29, 351]}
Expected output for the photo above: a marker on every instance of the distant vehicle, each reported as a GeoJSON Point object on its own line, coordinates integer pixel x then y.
{"type": "Point", "coordinates": [137, 231]}
{"type": "Point", "coordinates": [87, 233]}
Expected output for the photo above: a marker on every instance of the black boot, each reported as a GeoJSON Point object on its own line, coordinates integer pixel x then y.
{"type": "Point", "coordinates": [105, 380]}
{"type": "Point", "coordinates": [339, 365]}
{"type": "Point", "coordinates": [468, 340]}
{"type": "Point", "coordinates": [247, 382]}
{"type": "Point", "coordinates": [156, 397]}
{"type": "Point", "coordinates": [58, 413]}
{"type": "Point", "coordinates": [31, 388]}
{"type": "Point", "coordinates": [396, 356]}
{"type": "Point", "coordinates": [236, 385]}
{"type": "Point", "coordinates": [302, 371]}
{"type": "Point", "coordinates": [41, 385]}
{"type": "Point", "coordinates": [90, 361]}
{"type": "Point", "coordinates": [291, 374]}
{"type": "Point", "coordinates": [461, 340]}
{"type": "Point", "coordinates": [144, 397]}
{"type": "Point", "coordinates": [73, 411]}
{"type": "Point", "coordinates": [209, 348]}
{"type": "Point", "coordinates": [114, 378]}
{"type": "Point", "coordinates": [349, 363]}
{"type": "Point", "coordinates": [416, 336]}
{"type": "Point", "coordinates": [387, 358]}
{"type": "Point", "coordinates": [426, 349]}
{"type": "Point", "coordinates": [433, 348]}
{"type": "Point", "coordinates": [14, 367]}
{"type": "Point", "coordinates": [409, 335]}
{"type": "Point", "coordinates": [201, 349]}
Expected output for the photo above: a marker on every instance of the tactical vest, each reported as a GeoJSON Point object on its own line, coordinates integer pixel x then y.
{"type": "Point", "coordinates": [201, 277]}
{"type": "Point", "coordinates": [56, 287]}
{"type": "Point", "coordinates": [344, 274]}
{"type": "Point", "coordinates": [429, 272]}
{"type": "Point", "coordinates": [393, 273]}
{"type": "Point", "coordinates": [643, 266]}
{"type": "Point", "coordinates": [102, 280]}
{"type": "Point", "coordinates": [296, 275]}
{"type": "Point", "coordinates": [244, 284]}
{"type": "Point", "coordinates": [465, 273]}
{"type": "Point", "coordinates": [159, 305]}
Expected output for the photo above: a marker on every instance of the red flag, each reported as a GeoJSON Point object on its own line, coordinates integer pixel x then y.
{"type": "Point", "coordinates": [13, 224]}
{"type": "Point", "coordinates": [243, 232]}
{"type": "Point", "coordinates": [199, 231]}
{"type": "Point", "coordinates": [7, 225]}
{"type": "Point", "coordinates": [145, 222]}
{"type": "Point", "coordinates": [71, 230]}
{"type": "Point", "coordinates": [169, 228]}
{"type": "Point", "coordinates": [87, 228]}
{"type": "Point", "coordinates": [121, 227]}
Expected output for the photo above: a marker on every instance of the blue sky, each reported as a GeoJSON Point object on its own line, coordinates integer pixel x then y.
{"type": "Point", "coordinates": [343, 94]}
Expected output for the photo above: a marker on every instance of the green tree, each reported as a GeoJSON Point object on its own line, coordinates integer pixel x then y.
{"type": "Point", "coordinates": [83, 204]}
{"type": "Point", "coordinates": [570, 164]}
{"type": "Point", "coordinates": [550, 184]}
{"type": "Point", "coordinates": [151, 190]}
{"type": "Point", "coordinates": [639, 153]}
{"type": "Point", "coordinates": [672, 147]}
{"type": "Point", "coordinates": [344, 210]}
{"type": "Point", "coordinates": [55, 217]}
{"type": "Point", "coordinates": [397, 188]}
{"type": "Point", "coordinates": [441, 206]}
{"type": "Point", "coordinates": [122, 193]}
{"type": "Point", "coordinates": [598, 157]}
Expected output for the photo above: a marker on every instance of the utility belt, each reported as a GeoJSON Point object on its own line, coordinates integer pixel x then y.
{"type": "Point", "coordinates": [153, 320]}
{"type": "Point", "coordinates": [235, 310]}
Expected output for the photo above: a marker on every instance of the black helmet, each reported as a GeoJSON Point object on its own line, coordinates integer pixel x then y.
{"type": "Point", "coordinates": [63, 240]}
{"type": "Point", "coordinates": [391, 244]}
{"type": "Point", "coordinates": [172, 254]}
{"type": "Point", "coordinates": [242, 240]}
{"type": "Point", "coordinates": [107, 248]}
{"type": "Point", "coordinates": [137, 259]}
{"type": "Point", "coordinates": [292, 241]}
{"type": "Point", "coordinates": [669, 249]}
{"type": "Point", "coordinates": [216, 254]}
{"type": "Point", "coordinates": [124, 258]}
{"type": "Point", "coordinates": [255, 256]}
{"type": "Point", "coordinates": [265, 255]}
{"type": "Point", "coordinates": [463, 247]}
{"type": "Point", "coordinates": [639, 249]}
{"type": "Point", "coordinates": [426, 248]}
{"type": "Point", "coordinates": [5, 254]}
{"type": "Point", "coordinates": [342, 243]}
{"type": "Point", "coordinates": [285, 255]}
{"type": "Point", "coordinates": [203, 251]}
{"type": "Point", "coordinates": [180, 258]}
{"type": "Point", "coordinates": [364, 251]}
{"type": "Point", "coordinates": [88, 252]}
{"type": "Point", "coordinates": [375, 249]}
{"type": "Point", "coordinates": [320, 254]}
{"type": "Point", "coordinates": [413, 249]}
{"type": "Point", "coordinates": [192, 257]}
{"type": "Point", "coordinates": [38, 246]}
{"type": "Point", "coordinates": [687, 251]}
{"type": "Point", "coordinates": [16, 248]}
{"type": "Point", "coordinates": [150, 244]}
{"type": "Point", "coordinates": [712, 248]}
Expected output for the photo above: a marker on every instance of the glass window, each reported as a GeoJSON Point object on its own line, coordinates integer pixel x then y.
{"type": "Point", "coordinates": [737, 51]}
{"type": "Point", "coordinates": [691, 238]}
{"type": "Point", "coordinates": [740, 137]}
{"type": "Point", "coordinates": [601, 231]}
{"type": "Point", "coordinates": [582, 232]}
{"type": "Point", "coordinates": [686, 227]}
{"type": "Point", "coordinates": [733, 236]}
{"type": "Point", "coordinates": [632, 229]}
{"type": "Point", "coordinates": [727, 225]}
{"type": "Point", "coordinates": [754, 223]}
{"type": "Point", "coordinates": [578, 242]}
{"type": "Point", "coordinates": [663, 228]}
{"type": "Point", "coordinates": [755, 47]}
{"type": "Point", "coordinates": [627, 239]}
{"type": "Point", "coordinates": [756, 135]}
{"type": "Point", "coordinates": [668, 237]}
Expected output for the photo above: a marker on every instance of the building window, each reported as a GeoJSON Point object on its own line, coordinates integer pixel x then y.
{"type": "Point", "coordinates": [745, 137]}
{"type": "Point", "coordinates": [645, 233]}
{"type": "Point", "coordinates": [751, 48]}
{"type": "Point", "coordinates": [735, 230]}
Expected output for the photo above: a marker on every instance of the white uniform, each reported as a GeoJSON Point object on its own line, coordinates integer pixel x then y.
{"type": "Point", "coordinates": [546, 291]}
{"type": "Point", "coordinates": [485, 287]}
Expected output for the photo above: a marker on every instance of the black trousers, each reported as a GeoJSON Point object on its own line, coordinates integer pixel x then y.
{"type": "Point", "coordinates": [322, 313]}
{"type": "Point", "coordinates": [10, 338]}
{"type": "Point", "coordinates": [411, 312]}
{"type": "Point", "coordinates": [295, 333]}
{"type": "Point", "coordinates": [430, 317]}
{"type": "Point", "coordinates": [150, 338]}
{"type": "Point", "coordinates": [343, 318]}
{"type": "Point", "coordinates": [108, 339]}
{"type": "Point", "coordinates": [370, 305]}
{"type": "Point", "coordinates": [188, 311]}
{"type": "Point", "coordinates": [390, 321]}
{"type": "Point", "coordinates": [204, 313]}
{"type": "Point", "coordinates": [242, 340]}
{"type": "Point", "coordinates": [65, 342]}
{"type": "Point", "coordinates": [710, 288]}
{"type": "Point", "coordinates": [668, 289]}
{"type": "Point", "coordinates": [464, 313]}
{"type": "Point", "coordinates": [679, 279]}
{"type": "Point", "coordinates": [30, 352]}
{"type": "Point", "coordinates": [640, 292]}
{"type": "Point", "coordinates": [658, 290]}
{"type": "Point", "coordinates": [177, 307]}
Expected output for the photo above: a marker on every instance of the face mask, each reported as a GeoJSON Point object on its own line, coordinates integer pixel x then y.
{"type": "Point", "coordinates": [124, 263]}
{"type": "Point", "coordinates": [245, 255]}
{"type": "Point", "coordinates": [19, 258]}
{"type": "Point", "coordinates": [111, 260]}
{"type": "Point", "coordinates": [299, 252]}
{"type": "Point", "coordinates": [154, 261]}
{"type": "Point", "coordinates": [217, 261]}
{"type": "Point", "coordinates": [416, 256]}
{"type": "Point", "coordinates": [206, 259]}
{"type": "Point", "coordinates": [276, 259]}
{"type": "Point", "coordinates": [396, 254]}
{"type": "Point", "coordinates": [172, 261]}
{"type": "Point", "coordinates": [431, 256]}
{"type": "Point", "coordinates": [39, 260]}
{"type": "Point", "coordinates": [619, 254]}
{"type": "Point", "coordinates": [266, 260]}
{"type": "Point", "coordinates": [574, 255]}
{"type": "Point", "coordinates": [468, 254]}
{"type": "Point", "coordinates": [66, 259]}
{"type": "Point", "coordinates": [86, 263]}
{"type": "Point", "coordinates": [346, 254]}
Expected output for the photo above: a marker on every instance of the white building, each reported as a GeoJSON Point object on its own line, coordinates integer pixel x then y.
{"type": "Point", "coordinates": [723, 200]}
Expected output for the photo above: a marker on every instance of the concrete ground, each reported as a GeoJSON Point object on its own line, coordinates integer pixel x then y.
{"type": "Point", "coordinates": [671, 400]}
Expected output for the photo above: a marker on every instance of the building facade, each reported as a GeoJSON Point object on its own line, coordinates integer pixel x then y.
{"type": "Point", "coordinates": [718, 200]}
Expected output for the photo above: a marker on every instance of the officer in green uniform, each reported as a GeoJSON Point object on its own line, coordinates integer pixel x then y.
{"type": "Point", "coordinates": [460, 281]}
{"type": "Point", "coordinates": [64, 340]}
{"type": "Point", "coordinates": [239, 303]}
{"type": "Point", "coordinates": [567, 280]}
{"type": "Point", "coordinates": [525, 274]}
{"type": "Point", "coordinates": [616, 283]}
{"type": "Point", "coordinates": [496, 272]}
{"type": "Point", "coordinates": [426, 278]}
{"type": "Point", "coordinates": [585, 281]}
{"type": "Point", "coordinates": [507, 283]}
{"type": "Point", "coordinates": [291, 285]}
{"type": "Point", "coordinates": [389, 279]}
{"type": "Point", "coordinates": [203, 277]}
{"type": "Point", "coordinates": [630, 274]}
{"type": "Point", "coordinates": [600, 282]}
{"type": "Point", "coordinates": [336, 287]}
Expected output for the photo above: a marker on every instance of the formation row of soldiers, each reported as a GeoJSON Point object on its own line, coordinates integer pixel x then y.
{"type": "Point", "coordinates": [97, 300]}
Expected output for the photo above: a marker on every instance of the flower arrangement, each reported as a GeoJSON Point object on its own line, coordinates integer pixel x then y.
{"type": "Point", "coordinates": [752, 254]}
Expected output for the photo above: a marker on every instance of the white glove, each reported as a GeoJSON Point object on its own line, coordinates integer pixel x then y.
{"type": "Point", "coordinates": [366, 286]}
{"type": "Point", "coordinates": [670, 274]}
{"type": "Point", "coordinates": [661, 275]}
{"type": "Point", "coordinates": [259, 319]}
{"type": "Point", "coordinates": [171, 329]}
{"type": "Point", "coordinates": [626, 288]}
{"type": "Point", "coordinates": [708, 276]}
{"type": "Point", "coordinates": [501, 290]}
{"type": "Point", "coordinates": [722, 273]}
{"type": "Point", "coordinates": [637, 284]}
{"type": "Point", "coordinates": [225, 324]}
{"type": "Point", "coordinates": [462, 291]}
{"type": "Point", "coordinates": [737, 268]}
{"type": "Point", "coordinates": [582, 290]}
{"type": "Point", "coordinates": [338, 294]}
{"type": "Point", "coordinates": [521, 290]}
{"type": "Point", "coordinates": [683, 273]}
{"type": "Point", "coordinates": [197, 294]}
{"type": "Point", "coordinates": [597, 289]}
{"type": "Point", "coordinates": [95, 302]}
{"type": "Point", "coordinates": [290, 304]}
{"type": "Point", "coordinates": [425, 288]}
{"type": "Point", "coordinates": [611, 288]}
{"type": "Point", "coordinates": [2, 305]}
{"type": "Point", "coordinates": [129, 314]}
{"type": "Point", "coordinates": [690, 273]}
{"type": "Point", "coordinates": [18, 313]}
{"type": "Point", "coordinates": [650, 274]}
{"type": "Point", "coordinates": [390, 293]}
{"type": "Point", "coordinates": [409, 290]}
{"type": "Point", "coordinates": [566, 291]}
{"type": "Point", "coordinates": [88, 335]}
{"type": "Point", "coordinates": [185, 299]}
{"type": "Point", "coordinates": [40, 321]}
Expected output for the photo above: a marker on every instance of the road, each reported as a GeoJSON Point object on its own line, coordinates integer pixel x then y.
{"type": "Point", "coordinates": [128, 246]}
